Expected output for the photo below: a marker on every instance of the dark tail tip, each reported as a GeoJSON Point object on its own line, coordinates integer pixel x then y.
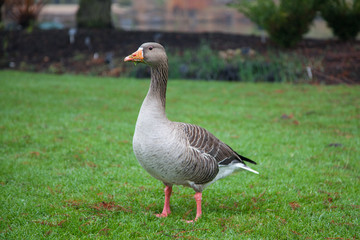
{"type": "Point", "coordinates": [247, 159]}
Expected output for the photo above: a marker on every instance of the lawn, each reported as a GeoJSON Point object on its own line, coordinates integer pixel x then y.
{"type": "Point", "coordinates": [67, 170]}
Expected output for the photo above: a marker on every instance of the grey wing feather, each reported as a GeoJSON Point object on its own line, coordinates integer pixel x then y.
{"type": "Point", "coordinates": [207, 153]}
{"type": "Point", "coordinates": [207, 143]}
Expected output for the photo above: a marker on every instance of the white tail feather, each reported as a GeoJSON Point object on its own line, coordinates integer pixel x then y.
{"type": "Point", "coordinates": [248, 169]}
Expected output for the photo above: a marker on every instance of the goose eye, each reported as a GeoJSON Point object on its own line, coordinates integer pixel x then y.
{"type": "Point", "coordinates": [150, 48]}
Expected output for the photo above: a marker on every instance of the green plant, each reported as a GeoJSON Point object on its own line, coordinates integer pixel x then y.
{"type": "Point", "coordinates": [94, 14]}
{"type": "Point", "coordinates": [24, 66]}
{"type": "Point", "coordinates": [285, 22]}
{"type": "Point", "coordinates": [56, 68]}
{"type": "Point", "coordinates": [205, 64]}
{"type": "Point", "coordinates": [343, 17]}
{"type": "Point", "coordinates": [231, 65]}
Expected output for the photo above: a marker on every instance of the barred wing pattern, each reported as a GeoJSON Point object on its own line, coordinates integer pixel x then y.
{"type": "Point", "coordinates": [206, 153]}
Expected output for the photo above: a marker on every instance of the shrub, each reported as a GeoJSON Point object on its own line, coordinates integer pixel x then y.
{"type": "Point", "coordinates": [285, 22]}
{"type": "Point", "coordinates": [230, 65]}
{"type": "Point", "coordinates": [343, 17]}
{"type": "Point", "coordinates": [94, 14]}
{"type": "Point", "coordinates": [24, 12]}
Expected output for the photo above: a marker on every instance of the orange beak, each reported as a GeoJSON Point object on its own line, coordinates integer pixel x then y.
{"type": "Point", "coordinates": [135, 57]}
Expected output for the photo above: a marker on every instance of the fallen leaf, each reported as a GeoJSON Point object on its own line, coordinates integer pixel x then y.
{"type": "Point", "coordinates": [296, 122]}
{"type": "Point", "coordinates": [35, 154]}
{"type": "Point", "coordinates": [110, 206]}
{"type": "Point", "coordinates": [295, 232]}
{"type": "Point", "coordinates": [285, 116]}
{"type": "Point", "coordinates": [91, 164]}
{"type": "Point", "coordinates": [104, 231]}
{"type": "Point", "coordinates": [294, 205]}
{"type": "Point", "coordinates": [335, 145]}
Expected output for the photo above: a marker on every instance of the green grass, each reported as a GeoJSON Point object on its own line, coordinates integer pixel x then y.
{"type": "Point", "coordinates": [67, 170]}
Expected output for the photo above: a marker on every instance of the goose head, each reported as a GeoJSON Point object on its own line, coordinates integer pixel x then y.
{"type": "Point", "coordinates": [150, 53]}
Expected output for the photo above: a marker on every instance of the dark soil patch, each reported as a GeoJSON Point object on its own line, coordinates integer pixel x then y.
{"type": "Point", "coordinates": [51, 51]}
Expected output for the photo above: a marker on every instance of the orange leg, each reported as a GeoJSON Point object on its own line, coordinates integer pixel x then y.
{"type": "Point", "coordinates": [166, 211]}
{"type": "Point", "coordinates": [198, 198]}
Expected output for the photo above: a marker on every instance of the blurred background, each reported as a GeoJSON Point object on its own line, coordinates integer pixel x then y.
{"type": "Point", "coordinates": [244, 40]}
{"type": "Point", "coordinates": [163, 15]}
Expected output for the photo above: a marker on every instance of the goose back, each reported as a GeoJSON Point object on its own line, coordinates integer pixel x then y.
{"type": "Point", "coordinates": [206, 153]}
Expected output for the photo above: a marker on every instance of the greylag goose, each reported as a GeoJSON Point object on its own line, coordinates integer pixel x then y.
{"type": "Point", "coordinates": [174, 152]}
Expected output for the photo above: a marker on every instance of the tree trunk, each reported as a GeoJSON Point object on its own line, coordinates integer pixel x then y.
{"type": "Point", "coordinates": [1, 4]}
{"type": "Point", "coordinates": [94, 14]}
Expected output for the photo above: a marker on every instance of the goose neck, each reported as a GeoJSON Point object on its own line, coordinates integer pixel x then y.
{"type": "Point", "coordinates": [157, 90]}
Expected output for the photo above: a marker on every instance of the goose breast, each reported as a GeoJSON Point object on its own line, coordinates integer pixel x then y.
{"type": "Point", "coordinates": [169, 155]}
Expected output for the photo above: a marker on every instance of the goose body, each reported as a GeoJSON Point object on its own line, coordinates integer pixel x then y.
{"type": "Point", "coordinates": [173, 152]}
